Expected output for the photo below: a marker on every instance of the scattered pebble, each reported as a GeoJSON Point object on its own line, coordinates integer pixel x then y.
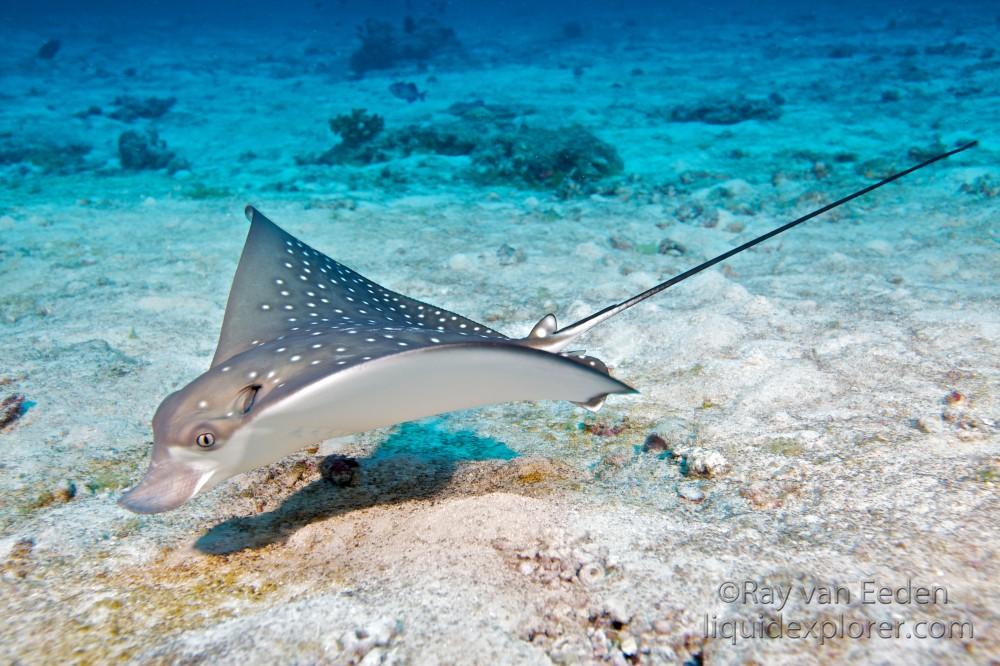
{"type": "Point", "coordinates": [617, 610]}
{"type": "Point", "coordinates": [983, 186]}
{"type": "Point", "coordinates": [661, 626]}
{"type": "Point", "coordinates": [508, 255]}
{"type": "Point", "coordinates": [605, 429]}
{"type": "Point", "coordinates": [691, 493]}
{"type": "Point", "coordinates": [65, 491]}
{"type": "Point", "coordinates": [547, 563]}
{"type": "Point", "coordinates": [929, 424]}
{"type": "Point", "coordinates": [619, 243]}
{"type": "Point", "coordinates": [375, 656]}
{"type": "Point", "coordinates": [675, 432]}
{"type": "Point", "coordinates": [360, 644]}
{"type": "Point", "coordinates": [879, 246]}
{"type": "Point", "coordinates": [615, 460]}
{"type": "Point", "coordinates": [692, 211]}
{"type": "Point", "coordinates": [340, 470]}
{"type": "Point", "coordinates": [671, 247]}
{"type": "Point", "coordinates": [460, 262]}
{"type": "Point", "coordinates": [589, 250]}
{"type": "Point", "coordinates": [696, 461]}
{"type": "Point", "coordinates": [591, 573]}
{"type": "Point", "coordinates": [22, 549]}
{"type": "Point", "coordinates": [19, 558]}
{"type": "Point", "coordinates": [11, 409]}
{"type": "Point", "coordinates": [958, 418]}
{"type": "Point", "coordinates": [294, 474]}
{"type": "Point", "coordinates": [655, 444]}
{"type": "Point", "coordinates": [764, 495]}
{"type": "Point", "coordinates": [954, 399]}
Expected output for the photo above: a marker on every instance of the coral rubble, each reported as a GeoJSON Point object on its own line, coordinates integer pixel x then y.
{"type": "Point", "coordinates": [565, 159]}
{"type": "Point", "coordinates": [383, 46]}
{"type": "Point", "coordinates": [48, 155]}
{"type": "Point", "coordinates": [132, 108]}
{"type": "Point", "coordinates": [728, 110]}
{"type": "Point", "coordinates": [568, 160]}
{"type": "Point", "coordinates": [140, 151]}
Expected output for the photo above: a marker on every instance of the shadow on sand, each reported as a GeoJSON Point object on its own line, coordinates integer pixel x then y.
{"type": "Point", "coordinates": [416, 461]}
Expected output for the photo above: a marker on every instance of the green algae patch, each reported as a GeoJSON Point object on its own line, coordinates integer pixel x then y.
{"type": "Point", "coordinates": [107, 474]}
{"type": "Point", "coordinates": [201, 192]}
{"type": "Point", "coordinates": [95, 617]}
{"type": "Point", "coordinates": [989, 473]}
{"type": "Point", "coordinates": [63, 493]}
{"type": "Point", "coordinates": [695, 370]}
{"type": "Point", "coordinates": [90, 478]}
{"type": "Point", "coordinates": [532, 477]}
{"type": "Point", "coordinates": [785, 446]}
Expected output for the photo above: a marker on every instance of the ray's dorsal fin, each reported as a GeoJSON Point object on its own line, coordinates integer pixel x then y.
{"type": "Point", "coordinates": [557, 340]}
{"type": "Point", "coordinates": [284, 287]}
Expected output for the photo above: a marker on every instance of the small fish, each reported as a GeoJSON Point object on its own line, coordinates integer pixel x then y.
{"type": "Point", "coordinates": [407, 91]}
{"type": "Point", "coordinates": [311, 350]}
{"type": "Point", "coordinates": [49, 49]}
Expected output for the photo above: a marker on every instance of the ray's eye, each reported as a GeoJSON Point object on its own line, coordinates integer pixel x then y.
{"type": "Point", "coordinates": [205, 440]}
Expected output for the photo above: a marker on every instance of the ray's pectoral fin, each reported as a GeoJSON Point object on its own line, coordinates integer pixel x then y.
{"type": "Point", "coordinates": [593, 405]}
{"type": "Point", "coordinates": [541, 337]}
{"type": "Point", "coordinates": [597, 365]}
{"type": "Point", "coordinates": [283, 286]}
{"type": "Point", "coordinates": [434, 380]}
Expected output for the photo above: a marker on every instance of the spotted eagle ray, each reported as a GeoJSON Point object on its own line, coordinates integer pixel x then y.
{"type": "Point", "coordinates": [311, 350]}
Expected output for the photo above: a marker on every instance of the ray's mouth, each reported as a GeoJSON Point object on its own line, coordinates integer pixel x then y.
{"type": "Point", "coordinates": [167, 485]}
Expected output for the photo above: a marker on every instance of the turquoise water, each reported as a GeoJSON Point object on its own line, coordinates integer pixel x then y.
{"type": "Point", "coordinates": [815, 400]}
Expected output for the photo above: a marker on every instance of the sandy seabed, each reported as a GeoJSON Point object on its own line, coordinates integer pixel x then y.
{"type": "Point", "coordinates": [828, 402]}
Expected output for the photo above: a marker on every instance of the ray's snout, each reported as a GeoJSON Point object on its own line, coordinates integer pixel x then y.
{"type": "Point", "coordinates": [167, 484]}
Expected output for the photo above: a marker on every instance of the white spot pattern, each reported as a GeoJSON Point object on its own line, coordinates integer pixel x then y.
{"type": "Point", "coordinates": [355, 320]}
